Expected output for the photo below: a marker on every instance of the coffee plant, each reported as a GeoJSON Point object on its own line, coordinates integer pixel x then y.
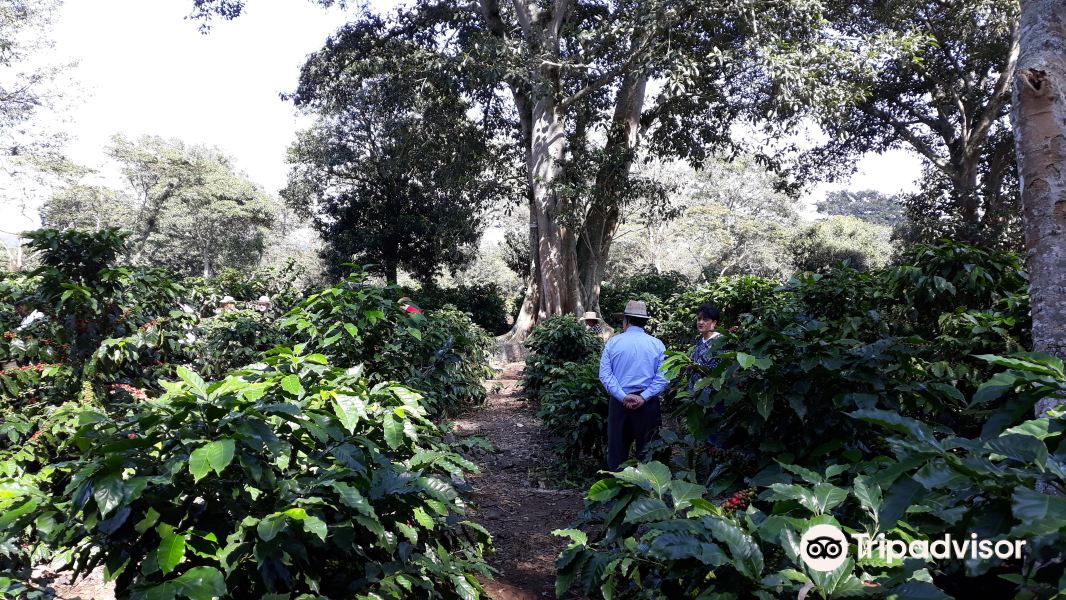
{"type": "Point", "coordinates": [441, 353]}
{"type": "Point", "coordinates": [233, 339]}
{"type": "Point", "coordinates": [662, 533]}
{"type": "Point", "coordinates": [896, 402]}
{"type": "Point", "coordinates": [288, 477]}
{"type": "Point", "coordinates": [573, 406]}
{"type": "Point", "coordinates": [302, 469]}
{"type": "Point", "coordinates": [553, 343]}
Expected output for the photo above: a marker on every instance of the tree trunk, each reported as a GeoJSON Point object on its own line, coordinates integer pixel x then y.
{"type": "Point", "coordinates": [526, 318]}
{"type": "Point", "coordinates": [529, 312]}
{"type": "Point", "coordinates": [555, 248]}
{"type": "Point", "coordinates": [612, 179]}
{"type": "Point", "coordinates": [967, 197]}
{"type": "Point", "coordinates": [1040, 139]}
{"type": "Point", "coordinates": [998, 202]}
{"type": "Point", "coordinates": [390, 271]}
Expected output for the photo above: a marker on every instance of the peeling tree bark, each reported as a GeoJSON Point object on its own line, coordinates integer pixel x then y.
{"type": "Point", "coordinates": [555, 247]}
{"type": "Point", "coordinates": [1040, 139]}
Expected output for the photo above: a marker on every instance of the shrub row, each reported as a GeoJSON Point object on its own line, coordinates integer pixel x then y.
{"type": "Point", "coordinates": [300, 471]}
{"type": "Point", "coordinates": [562, 376]}
{"type": "Point", "coordinates": [892, 402]}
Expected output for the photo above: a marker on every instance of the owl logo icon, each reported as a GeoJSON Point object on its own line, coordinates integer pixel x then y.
{"type": "Point", "coordinates": [823, 547]}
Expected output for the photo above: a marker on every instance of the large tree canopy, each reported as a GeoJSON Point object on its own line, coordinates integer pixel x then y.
{"type": "Point", "coordinates": [580, 86]}
{"type": "Point", "coordinates": [188, 207]}
{"type": "Point", "coordinates": [728, 217]}
{"type": "Point", "coordinates": [25, 81]}
{"type": "Point", "coordinates": [868, 205]}
{"type": "Point", "coordinates": [394, 171]}
{"type": "Point", "coordinates": [946, 99]}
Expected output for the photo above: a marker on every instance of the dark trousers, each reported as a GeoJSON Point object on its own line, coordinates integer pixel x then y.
{"type": "Point", "coordinates": [625, 426]}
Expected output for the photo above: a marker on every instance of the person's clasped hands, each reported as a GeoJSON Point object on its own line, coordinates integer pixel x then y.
{"type": "Point", "coordinates": [633, 401]}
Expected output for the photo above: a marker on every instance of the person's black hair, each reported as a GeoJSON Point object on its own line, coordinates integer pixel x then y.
{"type": "Point", "coordinates": [709, 312]}
{"type": "Point", "coordinates": [638, 321]}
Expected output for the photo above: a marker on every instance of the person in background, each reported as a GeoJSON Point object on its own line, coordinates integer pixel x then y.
{"type": "Point", "coordinates": [263, 304]}
{"type": "Point", "coordinates": [629, 371]}
{"type": "Point", "coordinates": [707, 346]}
{"type": "Point", "coordinates": [705, 352]}
{"type": "Point", "coordinates": [226, 304]}
{"type": "Point", "coordinates": [409, 306]}
{"type": "Point", "coordinates": [596, 326]}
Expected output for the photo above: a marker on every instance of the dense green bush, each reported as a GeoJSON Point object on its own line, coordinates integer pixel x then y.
{"type": "Point", "coordinates": [649, 286]}
{"type": "Point", "coordinates": [818, 372]}
{"type": "Point", "coordinates": [281, 284]}
{"type": "Point", "coordinates": [573, 406]}
{"type": "Point", "coordinates": [356, 323]}
{"type": "Point", "coordinates": [85, 300]}
{"type": "Point", "coordinates": [289, 477]}
{"type": "Point", "coordinates": [825, 345]}
{"type": "Point", "coordinates": [735, 296]}
{"type": "Point", "coordinates": [951, 281]}
{"type": "Point", "coordinates": [448, 363]}
{"type": "Point", "coordinates": [233, 339]}
{"type": "Point", "coordinates": [553, 343]}
{"type": "Point", "coordinates": [84, 297]}
{"type": "Point", "coordinates": [485, 303]}
{"type": "Point", "coordinates": [659, 533]}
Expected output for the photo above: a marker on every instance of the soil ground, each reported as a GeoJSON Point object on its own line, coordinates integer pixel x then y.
{"type": "Point", "coordinates": [512, 496]}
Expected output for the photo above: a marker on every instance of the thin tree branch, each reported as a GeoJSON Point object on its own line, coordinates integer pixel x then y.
{"type": "Point", "coordinates": [611, 74]}
{"type": "Point", "coordinates": [909, 136]}
{"type": "Point", "coordinates": [1000, 94]}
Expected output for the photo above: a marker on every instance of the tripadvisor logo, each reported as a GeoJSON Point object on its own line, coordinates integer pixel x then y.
{"type": "Point", "coordinates": [824, 548]}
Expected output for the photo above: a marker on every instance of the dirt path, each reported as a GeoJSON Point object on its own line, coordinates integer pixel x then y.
{"type": "Point", "coordinates": [511, 496]}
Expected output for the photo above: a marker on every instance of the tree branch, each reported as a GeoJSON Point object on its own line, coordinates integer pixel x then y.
{"type": "Point", "coordinates": [525, 17]}
{"type": "Point", "coordinates": [490, 11]}
{"type": "Point", "coordinates": [1000, 95]}
{"type": "Point", "coordinates": [562, 7]}
{"type": "Point", "coordinates": [611, 74]}
{"type": "Point", "coordinates": [909, 136]}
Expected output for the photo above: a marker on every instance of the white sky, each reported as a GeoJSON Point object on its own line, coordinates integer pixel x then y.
{"type": "Point", "coordinates": [145, 69]}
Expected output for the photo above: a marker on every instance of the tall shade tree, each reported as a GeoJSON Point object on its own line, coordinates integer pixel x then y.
{"type": "Point", "coordinates": [820, 246]}
{"type": "Point", "coordinates": [188, 208]}
{"type": "Point", "coordinates": [194, 212]}
{"type": "Point", "coordinates": [570, 79]}
{"type": "Point", "coordinates": [394, 171]}
{"type": "Point", "coordinates": [868, 205]}
{"type": "Point", "coordinates": [727, 218]}
{"type": "Point", "coordinates": [25, 81]}
{"type": "Point", "coordinates": [32, 95]}
{"type": "Point", "coordinates": [1040, 135]}
{"type": "Point", "coordinates": [942, 90]}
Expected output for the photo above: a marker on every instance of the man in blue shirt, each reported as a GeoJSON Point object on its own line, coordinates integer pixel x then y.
{"type": "Point", "coordinates": [629, 370]}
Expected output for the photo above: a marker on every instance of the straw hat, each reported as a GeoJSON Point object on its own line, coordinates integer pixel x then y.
{"type": "Point", "coordinates": [590, 316]}
{"type": "Point", "coordinates": [263, 300]}
{"type": "Point", "coordinates": [635, 308]}
{"type": "Point", "coordinates": [227, 300]}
